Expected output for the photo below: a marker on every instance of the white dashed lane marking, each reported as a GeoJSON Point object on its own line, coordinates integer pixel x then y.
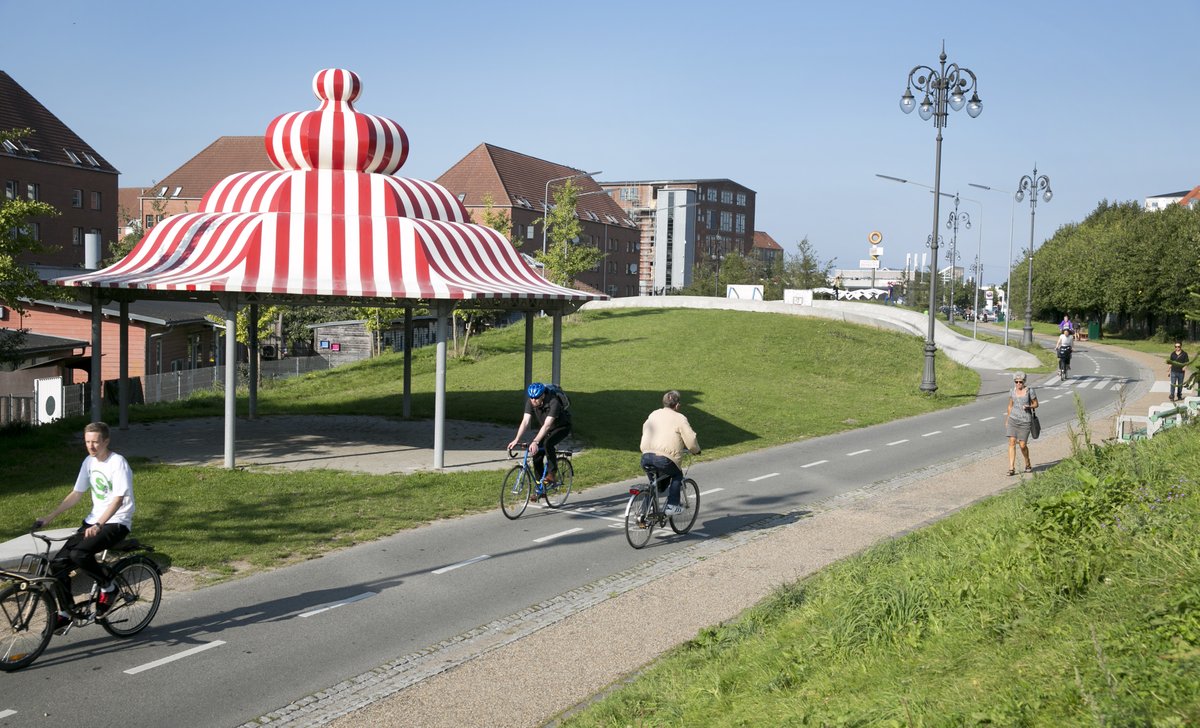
{"type": "Point", "coordinates": [818, 462]}
{"type": "Point", "coordinates": [460, 564]}
{"type": "Point", "coordinates": [857, 452]}
{"type": "Point", "coordinates": [897, 442]}
{"type": "Point", "coordinates": [173, 658]}
{"type": "Point", "coordinates": [959, 427]}
{"type": "Point", "coordinates": [763, 477]}
{"type": "Point", "coordinates": [335, 605]}
{"type": "Point", "coordinates": [553, 536]}
{"type": "Point", "coordinates": [931, 434]}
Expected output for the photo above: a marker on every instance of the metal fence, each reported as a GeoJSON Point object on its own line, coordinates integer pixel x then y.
{"type": "Point", "coordinates": [168, 387]}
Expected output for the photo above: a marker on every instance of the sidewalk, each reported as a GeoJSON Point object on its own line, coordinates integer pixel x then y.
{"type": "Point", "coordinates": [473, 682]}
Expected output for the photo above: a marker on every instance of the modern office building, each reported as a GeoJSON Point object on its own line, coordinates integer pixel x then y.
{"type": "Point", "coordinates": [698, 221]}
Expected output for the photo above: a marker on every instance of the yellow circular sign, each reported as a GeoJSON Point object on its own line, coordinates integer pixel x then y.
{"type": "Point", "coordinates": [875, 238]}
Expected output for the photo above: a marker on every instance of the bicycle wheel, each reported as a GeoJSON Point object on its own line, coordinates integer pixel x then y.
{"type": "Point", "coordinates": [639, 519]}
{"type": "Point", "coordinates": [514, 494]}
{"type": "Point", "coordinates": [557, 492]}
{"type": "Point", "coordinates": [139, 592]}
{"type": "Point", "coordinates": [26, 624]}
{"type": "Point", "coordinates": [689, 498]}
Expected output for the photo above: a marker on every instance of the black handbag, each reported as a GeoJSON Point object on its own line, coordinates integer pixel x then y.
{"type": "Point", "coordinates": [1035, 426]}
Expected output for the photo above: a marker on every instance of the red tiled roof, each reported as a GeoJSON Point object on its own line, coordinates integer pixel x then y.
{"type": "Point", "coordinates": [510, 177]}
{"type": "Point", "coordinates": [765, 241]}
{"type": "Point", "coordinates": [1191, 198]}
{"type": "Point", "coordinates": [51, 138]}
{"type": "Point", "coordinates": [226, 156]}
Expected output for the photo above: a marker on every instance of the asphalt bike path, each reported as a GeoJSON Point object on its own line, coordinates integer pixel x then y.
{"type": "Point", "coordinates": [308, 643]}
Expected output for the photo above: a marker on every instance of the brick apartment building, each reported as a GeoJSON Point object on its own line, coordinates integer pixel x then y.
{"type": "Point", "coordinates": [684, 223]}
{"type": "Point", "coordinates": [517, 184]}
{"type": "Point", "coordinates": [54, 165]}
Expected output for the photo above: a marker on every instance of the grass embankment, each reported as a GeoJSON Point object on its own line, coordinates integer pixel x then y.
{"type": "Point", "coordinates": [748, 381]}
{"type": "Point", "coordinates": [1073, 600]}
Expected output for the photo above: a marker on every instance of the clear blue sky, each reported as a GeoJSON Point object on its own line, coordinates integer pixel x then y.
{"type": "Point", "coordinates": [796, 100]}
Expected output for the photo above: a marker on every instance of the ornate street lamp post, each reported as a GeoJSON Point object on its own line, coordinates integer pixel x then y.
{"type": "Point", "coordinates": [1012, 210]}
{"type": "Point", "coordinates": [952, 223]}
{"type": "Point", "coordinates": [944, 88]}
{"type": "Point", "coordinates": [1031, 184]}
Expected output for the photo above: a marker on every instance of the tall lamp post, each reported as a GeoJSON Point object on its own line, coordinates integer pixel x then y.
{"type": "Point", "coordinates": [1008, 283]}
{"type": "Point", "coordinates": [944, 88]}
{"type": "Point", "coordinates": [952, 224]}
{"type": "Point", "coordinates": [546, 199]}
{"type": "Point", "coordinates": [1031, 185]}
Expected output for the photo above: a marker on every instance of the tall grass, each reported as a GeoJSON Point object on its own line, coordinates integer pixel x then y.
{"type": "Point", "coordinates": [1072, 601]}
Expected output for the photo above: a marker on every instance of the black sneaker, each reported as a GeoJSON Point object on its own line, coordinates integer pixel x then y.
{"type": "Point", "coordinates": [105, 602]}
{"type": "Point", "coordinates": [61, 623]}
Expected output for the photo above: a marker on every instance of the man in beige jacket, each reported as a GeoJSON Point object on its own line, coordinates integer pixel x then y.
{"type": "Point", "coordinates": [665, 435]}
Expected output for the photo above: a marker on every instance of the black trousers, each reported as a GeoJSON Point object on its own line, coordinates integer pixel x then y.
{"type": "Point", "coordinates": [546, 451]}
{"type": "Point", "coordinates": [79, 551]}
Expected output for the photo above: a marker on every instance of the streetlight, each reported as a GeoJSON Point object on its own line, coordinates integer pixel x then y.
{"type": "Point", "coordinates": [944, 88]}
{"type": "Point", "coordinates": [978, 267]}
{"type": "Point", "coordinates": [546, 199]}
{"type": "Point", "coordinates": [1008, 283]}
{"type": "Point", "coordinates": [1031, 184]}
{"type": "Point", "coordinates": [952, 224]}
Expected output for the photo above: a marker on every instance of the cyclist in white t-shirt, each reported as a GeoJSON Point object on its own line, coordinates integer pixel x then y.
{"type": "Point", "coordinates": [107, 476]}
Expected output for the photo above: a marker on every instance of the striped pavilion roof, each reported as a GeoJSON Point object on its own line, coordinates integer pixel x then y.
{"type": "Point", "coordinates": [332, 221]}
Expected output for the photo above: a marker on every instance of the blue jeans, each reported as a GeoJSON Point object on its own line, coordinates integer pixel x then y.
{"type": "Point", "coordinates": [665, 466]}
{"type": "Point", "coordinates": [1176, 384]}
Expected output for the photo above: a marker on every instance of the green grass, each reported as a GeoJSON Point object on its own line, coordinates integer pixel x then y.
{"type": "Point", "coordinates": [748, 381]}
{"type": "Point", "coordinates": [1072, 601]}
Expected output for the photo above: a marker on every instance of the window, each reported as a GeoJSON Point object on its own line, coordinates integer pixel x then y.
{"type": "Point", "coordinates": [76, 236]}
{"type": "Point", "coordinates": [712, 220]}
{"type": "Point", "coordinates": [34, 230]}
{"type": "Point", "coordinates": [741, 223]}
{"type": "Point", "coordinates": [741, 199]}
{"type": "Point", "coordinates": [95, 200]}
{"type": "Point", "coordinates": [529, 232]}
{"type": "Point", "coordinates": [33, 191]}
{"type": "Point", "coordinates": [77, 199]}
{"type": "Point", "coordinates": [726, 221]}
{"type": "Point", "coordinates": [727, 196]}
{"type": "Point", "coordinates": [149, 221]}
{"type": "Point", "coordinates": [712, 194]}
{"type": "Point", "coordinates": [10, 189]}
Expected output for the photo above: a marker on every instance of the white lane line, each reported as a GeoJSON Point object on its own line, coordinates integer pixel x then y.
{"type": "Point", "coordinates": [857, 452]}
{"type": "Point", "coordinates": [710, 490]}
{"type": "Point", "coordinates": [818, 462]}
{"type": "Point", "coordinates": [897, 442]}
{"type": "Point", "coordinates": [985, 419]}
{"type": "Point", "coordinates": [335, 605]}
{"type": "Point", "coordinates": [173, 658]}
{"type": "Point", "coordinates": [460, 564]}
{"type": "Point", "coordinates": [959, 427]}
{"type": "Point", "coordinates": [6, 713]}
{"type": "Point", "coordinates": [931, 434]}
{"type": "Point", "coordinates": [1059, 396]}
{"type": "Point", "coordinates": [763, 477]}
{"type": "Point", "coordinates": [567, 532]}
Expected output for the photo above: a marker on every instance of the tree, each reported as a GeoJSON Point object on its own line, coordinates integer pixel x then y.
{"type": "Point", "coordinates": [565, 259]}
{"type": "Point", "coordinates": [805, 269]}
{"type": "Point", "coordinates": [475, 317]}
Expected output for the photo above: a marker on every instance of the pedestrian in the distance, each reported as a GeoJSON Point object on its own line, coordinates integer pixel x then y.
{"type": "Point", "coordinates": [1022, 401]}
{"type": "Point", "coordinates": [1178, 358]}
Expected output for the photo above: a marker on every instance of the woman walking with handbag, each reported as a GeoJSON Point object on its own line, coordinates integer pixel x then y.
{"type": "Point", "coordinates": [1022, 401]}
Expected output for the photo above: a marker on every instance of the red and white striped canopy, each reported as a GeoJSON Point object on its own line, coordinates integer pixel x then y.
{"type": "Point", "coordinates": [330, 222]}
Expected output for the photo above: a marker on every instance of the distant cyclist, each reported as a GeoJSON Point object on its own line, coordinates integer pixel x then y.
{"type": "Point", "coordinates": [665, 435]}
{"type": "Point", "coordinates": [554, 425]}
{"type": "Point", "coordinates": [1066, 341]}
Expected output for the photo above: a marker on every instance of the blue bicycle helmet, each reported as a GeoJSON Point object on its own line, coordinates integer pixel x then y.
{"type": "Point", "coordinates": [535, 390]}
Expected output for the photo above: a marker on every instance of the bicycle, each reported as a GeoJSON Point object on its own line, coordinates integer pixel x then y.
{"type": "Point", "coordinates": [520, 484]}
{"type": "Point", "coordinates": [31, 598]}
{"type": "Point", "coordinates": [1064, 362]}
{"type": "Point", "coordinates": [644, 511]}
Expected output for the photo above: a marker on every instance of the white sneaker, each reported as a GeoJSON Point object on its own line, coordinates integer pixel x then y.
{"type": "Point", "coordinates": [673, 510]}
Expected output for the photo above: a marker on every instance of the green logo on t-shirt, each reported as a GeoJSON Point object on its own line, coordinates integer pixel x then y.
{"type": "Point", "coordinates": [101, 486]}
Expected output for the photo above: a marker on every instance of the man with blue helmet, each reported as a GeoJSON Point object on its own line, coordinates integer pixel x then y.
{"type": "Point", "coordinates": [554, 425]}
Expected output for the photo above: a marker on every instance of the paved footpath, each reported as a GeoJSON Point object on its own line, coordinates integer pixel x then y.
{"type": "Point", "coordinates": [588, 643]}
